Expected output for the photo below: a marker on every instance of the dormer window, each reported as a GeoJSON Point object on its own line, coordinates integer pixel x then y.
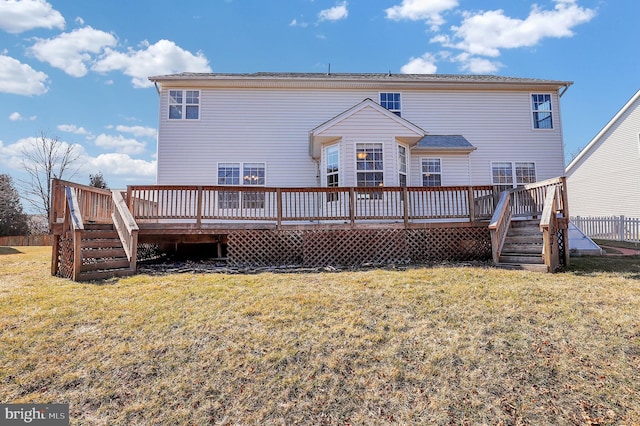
{"type": "Point", "coordinates": [391, 101]}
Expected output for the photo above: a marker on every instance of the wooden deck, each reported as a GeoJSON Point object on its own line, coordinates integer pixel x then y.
{"type": "Point", "coordinates": [409, 224]}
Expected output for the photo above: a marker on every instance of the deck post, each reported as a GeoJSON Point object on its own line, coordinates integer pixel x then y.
{"type": "Point", "coordinates": [405, 197]}
{"type": "Point", "coordinates": [199, 218]}
{"type": "Point", "coordinates": [130, 198]}
{"type": "Point", "coordinates": [55, 254]}
{"type": "Point", "coordinates": [565, 213]}
{"type": "Point", "coordinates": [279, 207]}
{"type": "Point", "coordinates": [472, 207]}
{"type": "Point", "coordinates": [77, 254]}
{"type": "Point", "coordinates": [352, 207]}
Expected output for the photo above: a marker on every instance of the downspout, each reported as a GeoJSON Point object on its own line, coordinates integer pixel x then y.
{"type": "Point", "coordinates": [155, 83]}
{"type": "Point", "coordinates": [562, 91]}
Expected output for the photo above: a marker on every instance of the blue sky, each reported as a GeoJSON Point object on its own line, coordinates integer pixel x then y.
{"type": "Point", "coordinates": [78, 69]}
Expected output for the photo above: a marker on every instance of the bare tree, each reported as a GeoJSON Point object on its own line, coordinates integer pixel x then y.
{"type": "Point", "coordinates": [97, 181]}
{"type": "Point", "coordinates": [46, 158]}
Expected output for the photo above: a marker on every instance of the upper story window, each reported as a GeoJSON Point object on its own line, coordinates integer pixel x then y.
{"type": "Point", "coordinates": [184, 104]}
{"type": "Point", "coordinates": [391, 101]}
{"type": "Point", "coordinates": [369, 164]}
{"type": "Point", "coordinates": [506, 175]}
{"type": "Point", "coordinates": [541, 108]}
{"type": "Point", "coordinates": [431, 172]}
{"type": "Point", "coordinates": [402, 165]}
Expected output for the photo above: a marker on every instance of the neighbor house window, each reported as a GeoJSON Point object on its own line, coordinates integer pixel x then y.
{"type": "Point", "coordinates": [402, 165]}
{"type": "Point", "coordinates": [332, 155]}
{"type": "Point", "coordinates": [369, 164]}
{"type": "Point", "coordinates": [541, 107]}
{"type": "Point", "coordinates": [431, 172]}
{"type": "Point", "coordinates": [507, 175]}
{"type": "Point", "coordinates": [391, 101]}
{"type": "Point", "coordinates": [253, 174]}
{"type": "Point", "coordinates": [184, 104]}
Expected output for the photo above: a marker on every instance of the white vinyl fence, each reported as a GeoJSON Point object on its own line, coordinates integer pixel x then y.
{"type": "Point", "coordinates": [618, 228]}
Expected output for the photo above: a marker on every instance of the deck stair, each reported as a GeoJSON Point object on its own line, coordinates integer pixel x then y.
{"type": "Point", "coordinates": [523, 247]}
{"type": "Point", "coordinates": [103, 255]}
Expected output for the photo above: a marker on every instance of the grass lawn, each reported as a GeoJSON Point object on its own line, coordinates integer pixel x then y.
{"type": "Point", "coordinates": [440, 345]}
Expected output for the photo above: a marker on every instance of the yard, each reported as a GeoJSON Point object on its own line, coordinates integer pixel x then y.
{"type": "Point", "coordinates": [439, 345]}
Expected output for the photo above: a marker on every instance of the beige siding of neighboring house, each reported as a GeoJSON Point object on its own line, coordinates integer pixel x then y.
{"type": "Point", "coordinates": [605, 180]}
{"type": "Point", "coordinates": [272, 126]}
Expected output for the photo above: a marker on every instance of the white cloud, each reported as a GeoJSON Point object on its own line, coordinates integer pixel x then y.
{"type": "Point", "coordinates": [421, 10]}
{"type": "Point", "coordinates": [425, 64]}
{"type": "Point", "coordinates": [122, 164]}
{"type": "Point", "coordinates": [71, 51]}
{"type": "Point", "coordinates": [295, 23]}
{"type": "Point", "coordinates": [72, 128]}
{"type": "Point", "coordinates": [120, 144]}
{"type": "Point", "coordinates": [477, 65]}
{"type": "Point", "coordinates": [486, 33]}
{"type": "Point", "coordinates": [163, 57]}
{"type": "Point", "coordinates": [20, 79]}
{"type": "Point", "coordinates": [19, 16]}
{"type": "Point", "coordinates": [334, 13]}
{"type": "Point", "coordinates": [15, 116]}
{"type": "Point", "coordinates": [138, 131]}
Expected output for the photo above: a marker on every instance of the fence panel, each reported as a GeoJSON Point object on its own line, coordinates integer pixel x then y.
{"type": "Point", "coordinates": [618, 228]}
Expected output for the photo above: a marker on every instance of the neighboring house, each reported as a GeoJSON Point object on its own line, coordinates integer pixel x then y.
{"type": "Point", "coordinates": [324, 130]}
{"type": "Point", "coordinates": [604, 179]}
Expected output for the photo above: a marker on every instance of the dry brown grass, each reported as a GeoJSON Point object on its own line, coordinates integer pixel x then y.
{"type": "Point", "coordinates": [442, 345]}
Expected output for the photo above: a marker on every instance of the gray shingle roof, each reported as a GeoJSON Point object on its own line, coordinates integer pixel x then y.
{"type": "Point", "coordinates": [444, 78]}
{"type": "Point", "coordinates": [445, 142]}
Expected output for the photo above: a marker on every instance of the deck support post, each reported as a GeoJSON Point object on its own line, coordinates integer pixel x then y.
{"type": "Point", "coordinates": [405, 197]}
{"type": "Point", "coordinates": [55, 254]}
{"type": "Point", "coordinates": [77, 254]}
{"type": "Point", "coordinates": [199, 218]}
{"type": "Point", "coordinates": [279, 207]}
{"type": "Point", "coordinates": [352, 207]}
{"type": "Point", "coordinates": [129, 198]}
{"type": "Point", "coordinates": [472, 207]}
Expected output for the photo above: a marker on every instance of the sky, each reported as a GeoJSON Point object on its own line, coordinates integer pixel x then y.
{"type": "Point", "coordinates": [77, 70]}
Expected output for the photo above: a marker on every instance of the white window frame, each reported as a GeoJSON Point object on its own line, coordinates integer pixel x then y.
{"type": "Point", "coordinates": [369, 146]}
{"type": "Point", "coordinates": [535, 111]}
{"type": "Point", "coordinates": [422, 171]}
{"type": "Point", "coordinates": [514, 174]}
{"type": "Point", "coordinates": [184, 105]}
{"type": "Point", "coordinates": [403, 167]}
{"type": "Point", "coordinates": [248, 200]}
{"type": "Point", "coordinates": [332, 196]}
{"type": "Point", "coordinates": [384, 104]}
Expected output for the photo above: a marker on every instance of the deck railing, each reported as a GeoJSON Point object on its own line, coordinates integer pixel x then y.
{"type": "Point", "coordinates": [345, 204]}
{"type": "Point", "coordinates": [96, 205]}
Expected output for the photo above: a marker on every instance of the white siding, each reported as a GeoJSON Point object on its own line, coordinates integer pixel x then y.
{"type": "Point", "coordinates": [455, 169]}
{"type": "Point", "coordinates": [272, 126]}
{"type": "Point", "coordinates": [606, 180]}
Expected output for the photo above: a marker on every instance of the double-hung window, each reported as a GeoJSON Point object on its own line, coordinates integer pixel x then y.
{"type": "Point", "coordinates": [391, 101]}
{"type": "Point", "coordinates": [541, 108]}
{"type": "Point", "coordinates": [229, 174]}
{"type": "Point", "coordinates": [332, 155]}
{"type": "Point", "coordinates": [506, 175]}
{"type": "Point", "coordinates": [431, 172]}
{"type": "Point", "coordinates": [369, 164]}
{"type": "Point", "coordinates": [402, 165]}
{"type": "Point", "coordinates": [184, 104]}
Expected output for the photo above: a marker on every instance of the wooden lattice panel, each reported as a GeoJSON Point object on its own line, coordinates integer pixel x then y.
{"type": "Point", "coordinates": [65, 262]}
{"type": "Point", "coordinates": [353, 247]}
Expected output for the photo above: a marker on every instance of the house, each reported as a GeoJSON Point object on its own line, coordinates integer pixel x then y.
{"type": "Point", "coordinates": [339, 169]}
{"type": "Point", "coordinates": [324, 130]}
{"type": "Point", "coordinates": [604, 178]}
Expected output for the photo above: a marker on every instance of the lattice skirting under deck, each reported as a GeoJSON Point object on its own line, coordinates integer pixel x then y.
{"type": "Point", "coordinates": [355, 247]}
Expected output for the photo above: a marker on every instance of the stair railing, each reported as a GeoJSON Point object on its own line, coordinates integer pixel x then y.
{"type": "Point", "coordinates": [126, 227]}
{"type": "Point", "coordinates": [549, 226]}
{"type": "Point", "coordinates": [499, 225]}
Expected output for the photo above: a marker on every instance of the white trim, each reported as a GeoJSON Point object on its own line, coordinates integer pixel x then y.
{"type": "Point", "coordinates": [324, 174]}
{"type": "Point", "coordinates": [515, 182]}
{"type": "Point", "coordinates": [241, 172]}
{"type": "Point", "coordinates": [602, 132]}
{"type": "Point", "coordinates": [392, 110]}
{"type": "Point", "coordinates": [355, 160]}
{"type": "Point", "coordinates": [184, 104]}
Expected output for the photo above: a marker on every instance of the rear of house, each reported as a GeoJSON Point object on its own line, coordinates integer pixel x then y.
{"type": "Point", "coordinates": [319, 130]}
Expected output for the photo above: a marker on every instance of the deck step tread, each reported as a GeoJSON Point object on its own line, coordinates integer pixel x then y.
{"type": "Point", "coordinates": [105, 264]}
{"type": "Point", "coordinates": [101, 274]}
